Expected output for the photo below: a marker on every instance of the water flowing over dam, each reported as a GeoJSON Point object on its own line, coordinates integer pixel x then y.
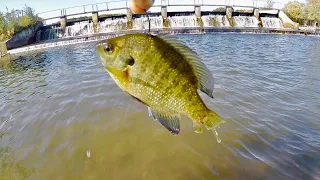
{"type": "Point", "coordinates": [70, 27]}
{"type": "Point", "coordinates": [156, 22]}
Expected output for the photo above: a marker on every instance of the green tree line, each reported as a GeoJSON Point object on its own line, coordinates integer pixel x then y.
{"type": "Point", "coordinates": [14, 21]}
{"type": "Point", "coordinates": [298, 11]}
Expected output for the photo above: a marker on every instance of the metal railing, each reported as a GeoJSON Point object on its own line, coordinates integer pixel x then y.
{"type": "Point", "coordinates": [123, 4]}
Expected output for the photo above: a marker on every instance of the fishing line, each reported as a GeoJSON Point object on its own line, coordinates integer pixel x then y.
{"type": "Point", "coordinates": [147, 14]}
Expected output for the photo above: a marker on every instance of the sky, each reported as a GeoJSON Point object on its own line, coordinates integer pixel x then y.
{"type": "Point", "coordinates": [47, 5]}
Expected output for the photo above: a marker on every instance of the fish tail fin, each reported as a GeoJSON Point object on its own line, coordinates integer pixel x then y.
{"type": "Point", "coordinates": [211, 122]}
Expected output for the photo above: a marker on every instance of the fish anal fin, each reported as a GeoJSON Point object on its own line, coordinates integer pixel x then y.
{"type": "Point", "coordinates": [169, 121]}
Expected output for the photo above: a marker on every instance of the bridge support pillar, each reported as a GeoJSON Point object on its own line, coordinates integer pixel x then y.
{"type": "Point", "coordinates": [229, 11]}
{"type": "Point", "coordinates": [129, 19]}
{"type": "Point", "coordinates": [197, 11]}
{"type": "Point", "coordinates": [63, 23]}
{"type": "Point", "coordinates": [278, 13]}
{"type": "Point", "coordinates": [164, 14]}
{"type": "Point", "coordinates": [95, 20]}
{"type": "Point", "coordinates": [256, 13]}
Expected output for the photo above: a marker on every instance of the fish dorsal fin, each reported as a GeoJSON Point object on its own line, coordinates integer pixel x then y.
{"type": "Point", "coordinates": [169, 121]}
{"type": "Point", "coordinates": [203, 74]}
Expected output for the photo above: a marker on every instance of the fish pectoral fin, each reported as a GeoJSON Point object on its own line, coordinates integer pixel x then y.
{"type": "Point", "coordinates": [203, 74]}
{"type": "Point", "coordinates": [169, 121]}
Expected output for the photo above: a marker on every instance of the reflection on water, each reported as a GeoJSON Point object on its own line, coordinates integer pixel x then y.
{"type": "Point", "coordinates": [56, 104]}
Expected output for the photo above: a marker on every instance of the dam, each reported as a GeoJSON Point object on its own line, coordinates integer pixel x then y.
{"type": "Point", "coordinates": [99, 21]}
{"type": "Point", "coordinates": [221, 16]}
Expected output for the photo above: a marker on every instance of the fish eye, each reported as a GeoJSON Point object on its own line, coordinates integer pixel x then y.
{"type": "Point", "coordinates": [107, 48]}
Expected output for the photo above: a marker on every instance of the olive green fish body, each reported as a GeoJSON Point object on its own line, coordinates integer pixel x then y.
{"type": "Point", "coordinates": [156, 73]}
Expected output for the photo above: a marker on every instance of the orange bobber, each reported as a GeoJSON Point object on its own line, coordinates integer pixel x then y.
{"type": "Point", "coordinates": [140, 6]}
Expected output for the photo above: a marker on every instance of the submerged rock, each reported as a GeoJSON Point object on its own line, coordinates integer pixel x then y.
{"type": "Point", "coordinates": [24, 37]}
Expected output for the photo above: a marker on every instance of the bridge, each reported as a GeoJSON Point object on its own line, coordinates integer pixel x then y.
{"type": "Point", "coordinates": [122, 5]}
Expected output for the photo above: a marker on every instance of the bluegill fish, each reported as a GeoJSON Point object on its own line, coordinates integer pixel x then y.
{"type": "Point", "coordinates": [163, 74]}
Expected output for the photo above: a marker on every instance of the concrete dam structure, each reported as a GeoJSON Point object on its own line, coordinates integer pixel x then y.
{"type": "Point", "coordinates": [226, 18]}
{"type": "Point", "coordinates": [101, 23]}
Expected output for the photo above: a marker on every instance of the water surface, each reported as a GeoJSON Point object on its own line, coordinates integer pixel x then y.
{"type": "Point", "coordinates": [56, 104]}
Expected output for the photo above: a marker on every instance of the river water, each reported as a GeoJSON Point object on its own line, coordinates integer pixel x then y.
{"type": "Point", "coordinates": [58, 106]}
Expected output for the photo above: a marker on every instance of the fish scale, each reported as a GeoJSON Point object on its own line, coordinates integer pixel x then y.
{"type": "Point", "coordinates": [165, 76]}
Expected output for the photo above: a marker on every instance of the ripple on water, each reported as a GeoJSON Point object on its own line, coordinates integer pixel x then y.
{"type": "Point", "coordinates": [58, 103]}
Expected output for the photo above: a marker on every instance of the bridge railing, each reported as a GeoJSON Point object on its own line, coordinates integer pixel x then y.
{"type": "Point", "coordinates": [83, 9]}
{"type": "Point", "coordinates": [123, 4]}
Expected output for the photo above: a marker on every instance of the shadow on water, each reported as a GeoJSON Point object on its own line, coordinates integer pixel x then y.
{"type": "Point", "coordinates": [19, 63]}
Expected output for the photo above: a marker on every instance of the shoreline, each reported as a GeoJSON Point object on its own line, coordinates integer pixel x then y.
{"type": "Point", "coordinates": [100, 36]}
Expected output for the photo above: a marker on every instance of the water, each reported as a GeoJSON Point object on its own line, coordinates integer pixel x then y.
{"type": "Point", "coordinates": [79, 28]}
{"type": "Point", "coordinates": [113, 25]}
{"type": "Point", "coordinates": [143, 23]}
{"type": "Point", "coordinates": [268, 22]}
{"type": "Point", "coordinates": [183, 21]}
{"type": "Point", "coordinates": [245, 21]}
{"type": "Point", "coordinates": [62, 116]}
{"type": "Point", "coordinates": [215, 21]}
{"type": "Point", "coordinates": [120, 24]}
{"type": "Point", "coordinates": [53, 33]}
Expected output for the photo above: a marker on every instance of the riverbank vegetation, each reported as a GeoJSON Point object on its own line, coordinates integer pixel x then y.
{"type": "Point", "coordinates": [300, 12]}
{"type": "Point", "coordinates": [14, 21]}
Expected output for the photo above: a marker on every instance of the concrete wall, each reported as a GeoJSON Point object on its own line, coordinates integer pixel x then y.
{"type": "Point", "coordinates": [229, 11]}
{"type": "Point", "coordinates": [63, 23]}
{"type": "Point", "coordinates": [197, 11]}
{"type": "Point", "coordinates": [287, 22]}
{"type": "Point", "coordinates": [24, 37]}
{"type": "Point", "coordinates": [95, 18]}
{"type": "Point", "coordinates": [164, 12]}
{"type": "Point", "coordinates": [129, 15]}
{"type": "Point", "coordinates": [256, 13]}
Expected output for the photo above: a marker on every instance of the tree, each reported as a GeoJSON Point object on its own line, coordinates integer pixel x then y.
{"type": "Point", "coordinates": [14, 21]}
{"type": "Point", "coordinates": [313, 10]}
{"type": "Point", "coordinates": [295, 10]}
{"type": "Point", "coordinates": [220, 9]}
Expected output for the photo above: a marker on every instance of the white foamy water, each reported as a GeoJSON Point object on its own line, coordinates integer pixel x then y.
{"type": "Point", "coordinates": [215, 21]}
{"type": "Point", "coordinates": [245, 21]}
{"type": "Point", "coordinates": [268, 22]}
{"type": "Point", "coordinates": [79, 28]}
{"type": "Point", "coordinates": [183, 21]}
{"type": "Point", "coordinates": [112, 25]}
{"type": "Point", "coordinates": [143, 23]}
{"type": "Point", "coordinates": [53, 33]}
